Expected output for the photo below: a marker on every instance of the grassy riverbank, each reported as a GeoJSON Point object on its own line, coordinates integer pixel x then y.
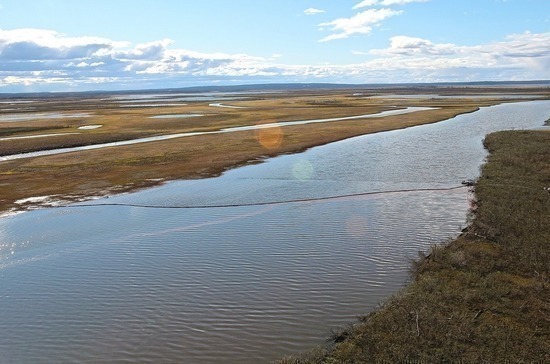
{"type": "Point", "coordinates": [85, 174]}
{"type": "Point", "coordinates": [483, 297]}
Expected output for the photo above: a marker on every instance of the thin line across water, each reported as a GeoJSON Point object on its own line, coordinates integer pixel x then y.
{"type": "Point", "coordinates": [312, 199]}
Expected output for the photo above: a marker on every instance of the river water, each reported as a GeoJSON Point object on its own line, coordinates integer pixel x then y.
{"type": "Point", "coordinates": [180, 282]}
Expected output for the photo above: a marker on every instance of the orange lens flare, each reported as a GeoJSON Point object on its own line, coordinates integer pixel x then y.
{"type": "Point", "coordinates": [270, 137]}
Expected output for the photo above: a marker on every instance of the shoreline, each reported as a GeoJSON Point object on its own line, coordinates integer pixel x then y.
{"type": "Point", "coordinates": [483, 297]}
{"type": "Point", "coordinates": [458, 258]}
{"type": "Point", "coordinates": [208, 152]}
{"type": "Point", "coordinates": [97, 173]}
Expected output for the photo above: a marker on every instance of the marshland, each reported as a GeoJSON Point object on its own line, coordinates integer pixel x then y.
{"type": "Point", "coordinates": [67, 122]}
{"type": "Point", "coordinates": [250, 232]}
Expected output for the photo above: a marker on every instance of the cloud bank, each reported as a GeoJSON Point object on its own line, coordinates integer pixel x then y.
{"type": "Point", "coordinates": [39, 60]}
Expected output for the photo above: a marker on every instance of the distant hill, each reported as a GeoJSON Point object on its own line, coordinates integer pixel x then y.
{"type": "Point", "coordinates": [277, 87]}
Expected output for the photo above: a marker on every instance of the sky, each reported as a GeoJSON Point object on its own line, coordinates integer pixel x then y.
{"type": "Point", "coordinates": [82, 45]}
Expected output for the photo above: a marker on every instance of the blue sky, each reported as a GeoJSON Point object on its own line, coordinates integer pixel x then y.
{"type": "Point", "coordinates": [74, 45]}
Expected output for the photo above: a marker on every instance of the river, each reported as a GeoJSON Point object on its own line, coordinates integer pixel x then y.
{"type": "Point", "coordinates": [178, 281]}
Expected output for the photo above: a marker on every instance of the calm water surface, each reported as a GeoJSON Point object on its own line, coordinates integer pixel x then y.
{"type": "Point", "coordinates": [239, 284]}
{"type": "Point", "coordinates": [12, 118]}
{"type": "Point", "coordinates": [175, 116]}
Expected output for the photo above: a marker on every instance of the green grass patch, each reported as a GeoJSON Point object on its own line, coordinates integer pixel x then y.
{"type": "Point", "coordinates": [482, 298]}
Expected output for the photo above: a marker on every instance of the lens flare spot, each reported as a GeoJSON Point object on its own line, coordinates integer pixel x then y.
{"type": "Point", "coordinates": [270, 137]}
{"type": "Point", "coordinates": [357, 226]}
{"type": "Point", "coordinates": [302, 170]}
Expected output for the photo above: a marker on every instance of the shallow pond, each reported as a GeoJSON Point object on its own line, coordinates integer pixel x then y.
{"type": "Point", "coordinates": [175, 116]}
{"type": "Point", "coordinates": [181, 282]}
{"type": "Point", "coordinates": [12, 118]}
{"type": "Point", "coordinates": [407, 110]}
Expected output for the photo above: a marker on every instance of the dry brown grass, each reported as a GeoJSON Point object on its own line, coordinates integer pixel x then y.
{"type": "Point", "coordinates": [96, 172]}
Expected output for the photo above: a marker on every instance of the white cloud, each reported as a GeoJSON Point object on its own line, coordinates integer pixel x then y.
{"type": "Point", "coordinates": [526, 55]}
{"type": "Point", "coordinates": [38, 44]}
{"type": "Point", "coordinates": [403, 45]}
{"type": "Point", "coordinates": [313, 11]}
{"type": "Point", "coordinates": [517, 46]}
{"type": "Point", "coordinates": [368, 3]}
{"type": "Point", "coordinates": [35, 60]}
{"type": "Point", "coordinates": [146, 51]}
{"type": "Point", "coordinates": [525, 45]}
{"type": "Point", "coordinates": [360, 23]}
{"type": "Point", "coordinates": [400, 2]}
{"type": "Point", "coordinates": [37, 56]}
{"type": "Point", "coordinates": [408, 59]}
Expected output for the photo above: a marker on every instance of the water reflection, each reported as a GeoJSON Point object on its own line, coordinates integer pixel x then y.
{"type": "Point", "coordinates": [175, 116]}
{"type": "Point", "coordinates": [227, 106]}
{"type": "Point", "coordinates": [242, 284]}
{"type": "Point", "coordinates": [153, 105]}
{"type": "Point", "coordinates": [12, 118]}
{"type": "Point", "coordinates": [90, 127]}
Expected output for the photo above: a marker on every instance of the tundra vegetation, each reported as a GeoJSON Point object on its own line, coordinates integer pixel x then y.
{"type": "Point", "coordinates": [482, 298]}
{"type": "Point", "coordinates": [85, 174]}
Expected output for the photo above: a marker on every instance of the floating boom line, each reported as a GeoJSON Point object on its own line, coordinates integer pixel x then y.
{"type": "Point", "coordinates": [267, 203]}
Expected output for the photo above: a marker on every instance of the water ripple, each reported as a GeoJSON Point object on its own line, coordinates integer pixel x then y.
{"type": "Point", "coordinates": [244, 284]}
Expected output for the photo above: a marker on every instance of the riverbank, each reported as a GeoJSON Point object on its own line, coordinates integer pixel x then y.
{"type": "Point", "coordinates": [90, 173]}
{"type": "Point", "coordinates": [484, 296]}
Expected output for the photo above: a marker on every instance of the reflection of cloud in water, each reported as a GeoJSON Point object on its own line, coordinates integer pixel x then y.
{"type": "Point", "coordinates": [37, 116]}
{"type": "Point", "coordinates": [153, 105]}
{"type": "Point", "coordinates": [13, 102]}
{"type": "Point", "coordinates": [227, 106]}
{"type": "Point", "coordinates": [175, 116]}
{"type": "Point", "coordinates": [90, 127]}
